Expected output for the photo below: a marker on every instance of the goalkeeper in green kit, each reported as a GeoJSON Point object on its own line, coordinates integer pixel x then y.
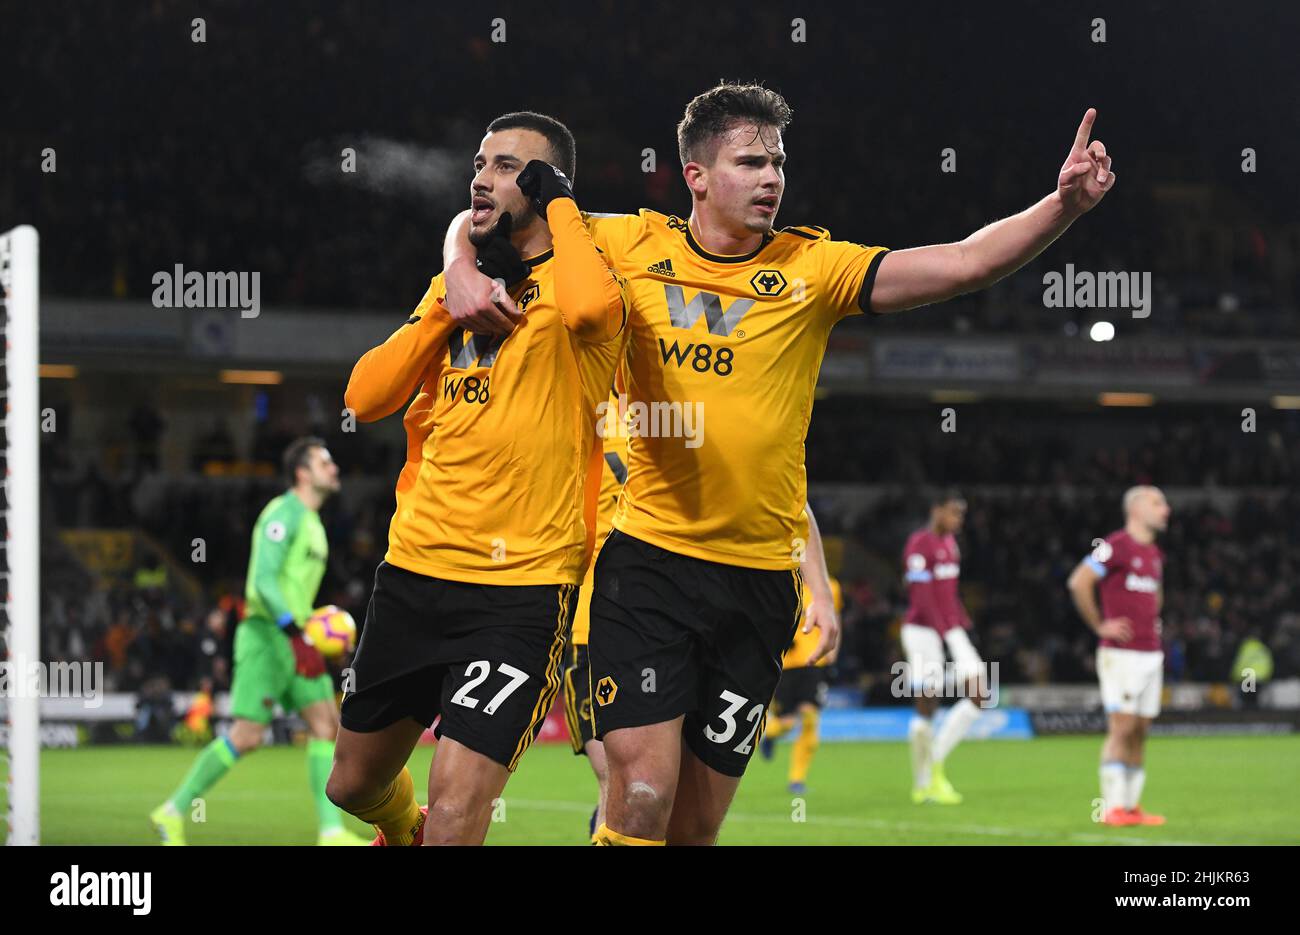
{"type": "Point", "coordinates": [275, 663]}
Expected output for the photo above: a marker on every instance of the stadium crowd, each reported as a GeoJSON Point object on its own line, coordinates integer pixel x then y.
{"type": "Point", "coordinates": [207, 177]}
{"type": "Point", "coordinates": [1034, 510]}
{"type": "Point", "coordinates": [1029, 442]}
{"type": "Point", "coordinates": [1230, 573]}
{"type": "Point", "coordinates": [231, 171]}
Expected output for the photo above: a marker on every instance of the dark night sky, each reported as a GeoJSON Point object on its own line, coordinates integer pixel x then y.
{"type": "Point", "coordinates": [170, 150]}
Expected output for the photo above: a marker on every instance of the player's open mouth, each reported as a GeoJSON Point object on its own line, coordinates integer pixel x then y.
{"type": "Point", "coordinates": [767, 204]}
{"type": "Point", "coordinates": [480, 210]}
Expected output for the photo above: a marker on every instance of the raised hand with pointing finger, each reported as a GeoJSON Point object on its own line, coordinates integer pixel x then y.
{"type": "Point", "coordinates": [1086, 175]}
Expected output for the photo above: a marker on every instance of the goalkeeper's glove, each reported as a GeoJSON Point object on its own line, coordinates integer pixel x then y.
{"type": "Point", "coordinates": [497, 256]}
{"type": "Point", "coordinates": [541, 183]}
{"type": "Point", "coordinates": [307, 660]}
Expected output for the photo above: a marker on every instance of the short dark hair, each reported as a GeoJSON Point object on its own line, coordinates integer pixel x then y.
{"type": "Point", "coordinates": [947, 495]}
{"type": "Point", "coordinates": [564, 151]}
{"type": "Point", "coordinates": [298, 454]}
{"type": "Point", "coordinates": [718, 110]}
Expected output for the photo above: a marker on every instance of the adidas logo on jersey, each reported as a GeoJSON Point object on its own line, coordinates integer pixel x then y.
{"type": "Point", "coordinates": [663, 268]}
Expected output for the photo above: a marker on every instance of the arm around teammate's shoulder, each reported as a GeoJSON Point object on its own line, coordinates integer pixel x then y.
{"type": "Point", "coordinates": [592, 301]}
{"type": "Point", "coordinates": [474, 300]}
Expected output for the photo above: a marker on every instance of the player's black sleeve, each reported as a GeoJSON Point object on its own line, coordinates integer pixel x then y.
{"type": "Point", "coordinates": [868, 283]}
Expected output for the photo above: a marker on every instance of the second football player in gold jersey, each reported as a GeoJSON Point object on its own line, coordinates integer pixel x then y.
{"type": "Point", "coordinates": [697, 590]}
{"type": "Point", "coordinates": [474, 599]}
{"type": "Point", "coordinates": [577, 671]}
{"type": "Point", "coordinates": [801, 693]}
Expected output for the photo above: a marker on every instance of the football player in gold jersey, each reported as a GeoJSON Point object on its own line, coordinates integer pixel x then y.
{"type": "Point", "coordinates": [474, 599]}
{"type": "Point", "coordinates": [577, 672]}
{"type": "Point", "coordinates": [801, 693]}
{"type": "Point", "coordinates": [697, 587]}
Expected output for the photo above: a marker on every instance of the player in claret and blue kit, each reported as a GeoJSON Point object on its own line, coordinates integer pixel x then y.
{"type": "Point", "coordinates": [937, 620]}
{"type": "Point", "coordinates": [1127, 569]}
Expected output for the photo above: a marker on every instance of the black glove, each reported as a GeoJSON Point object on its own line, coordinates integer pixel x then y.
{"type": "Point", "coordinates": [497, 256]}
{"type": "Point", "coordinates": [542, 183]}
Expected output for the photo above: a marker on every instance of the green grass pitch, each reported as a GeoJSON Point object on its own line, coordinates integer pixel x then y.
{"type": "Point", "coordinates": [1214, 790]}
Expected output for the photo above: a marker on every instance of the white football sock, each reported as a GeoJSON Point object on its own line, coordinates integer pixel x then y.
{"type": "Point", "coordinates": [959, 720]}
{"type": "Point", "coordinates": [1114, 784]}
{"type": "Point", "coordinates": [1135, 778]}
{"type": "Point", "coordinates": [921, 734]}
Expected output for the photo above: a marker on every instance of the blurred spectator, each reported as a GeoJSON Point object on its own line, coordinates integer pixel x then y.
{"type": "Point", "coordinates": [238, 175]}
{"type": "Point", "coordinates": [147, 427]}
{"type": "Point", "coordinates": [216, 445]}
{"type": "Point", "coordinates": [1252, 669]}
{"type": "Point", "coordinates": [1231, 566]}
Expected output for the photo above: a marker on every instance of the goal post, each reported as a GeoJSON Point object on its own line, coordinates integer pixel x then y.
{"type": "Point", "coordinates": [20, 545]}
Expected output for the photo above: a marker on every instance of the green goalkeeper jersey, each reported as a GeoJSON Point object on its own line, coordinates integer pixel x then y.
{"type": "Point", "coordinates": [288, 561]}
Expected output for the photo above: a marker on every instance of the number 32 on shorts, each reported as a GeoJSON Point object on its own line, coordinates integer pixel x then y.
{"type": "Point", "coordinates": [728, 717]}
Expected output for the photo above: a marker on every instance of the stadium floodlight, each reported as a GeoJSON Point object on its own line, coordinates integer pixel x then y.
{"type": "Point", "coordinates": [1101, 331]}
{"type": "Point", "coordinates": [20, 543]}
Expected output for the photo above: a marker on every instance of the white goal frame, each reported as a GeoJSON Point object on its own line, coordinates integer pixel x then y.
{"type": "Point", "coordinates": [20, 570]}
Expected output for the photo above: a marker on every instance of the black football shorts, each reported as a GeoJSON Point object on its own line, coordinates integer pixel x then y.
{"type": "Point", "coordinates": [483, 659]}
{"type": "Point", "coordinates": [673, 635]}
{"type": "Point", "coordinates": [800, 686]}
{"type": "Point", "coordinates": [577, 697]}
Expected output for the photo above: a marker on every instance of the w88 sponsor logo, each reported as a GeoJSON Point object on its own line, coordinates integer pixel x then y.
{"type": "Point", "coordinates": [719, 319]}
{"type": "Point", "coordinates": [469, 389]}
{"type": "Point", "coordinates": [702, 358]}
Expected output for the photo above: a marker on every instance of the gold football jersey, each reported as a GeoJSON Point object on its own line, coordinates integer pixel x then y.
{"type": "Point", "coordinates": [722, 361]}
{"type": "Point", "coordinates": [500, 439]}
{"type": "Point", "coordinates": [804, 643]}
{"type": "Point", "coordinates": [612, 474]}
